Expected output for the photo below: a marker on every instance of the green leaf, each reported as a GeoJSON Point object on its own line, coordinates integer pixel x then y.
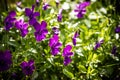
{"type": "Point", "coordinates": [93, 72]}
{"type": "Point", "coordinates": [12, 43]}
{"type": "Point", "coordinates": [95, 58]}
{"type": "Point", "coordinates": [68, 74]}
{"type": "Point", "coordinates": [82, 68]}
{"type": "Point", "coordinates": [51, 2]}
{"type": "Point", "coordinates": [54, 77]}
{"type": "Point", "coordinates": [35, 75]}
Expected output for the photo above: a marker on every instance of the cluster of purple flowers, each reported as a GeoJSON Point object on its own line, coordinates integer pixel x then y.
{"type": "Point", "coordinates": [40, 28]}
{"type": "Point", "coordinates": [40, 34]}
{"type": "Point", "coordinates": [6, 62]}
{"type": "Point", "coordinates": [10, 21]}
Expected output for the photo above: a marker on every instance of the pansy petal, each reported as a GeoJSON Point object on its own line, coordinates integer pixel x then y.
{"type": "Point", "coordinates": [55, 51]}
{"type": "Point", "coordinates": [25, 26]}
{"type": "Point", "coordinates": [12, 14]}
{"type": "Point", "coordinates": [79, 15]}
{"type": "Point", "coordinates": [39, 37]}
{"type": "Point", "coordinates": [57, 45]}
{"type": "Point", "coordinates": [74, 41]}
{"type": "Point", "coordinates": [36, 14]}
{"type": "Point", "coordinates": [66, 50]}
{"type": "Point", "coordinates": [8, 26]}
{"type": "Point", "coordinates": [7, 19]}
{"type": "Point", "coordinates": [55, 30]}
{"type": "Point", "coordinates": [70, 54]}
{"type": "Point", "coordinates": [76, 10]}
{"type": "Point", "coordinates": [67, 60]}
{"type": "Point", "coordinates": [12, 20]}
{"type": "Point", "coordinates": [97, 46]}
{"type": "Point", "coordinates": [51, 42]}
{"type": "Point", "coordinates": [17, 25]}
{"type": "Point", "coordinates": [59, 17]}
{"type": "Point", "coordinates": [45, 6]}
{"type": "Point", "coordinates": [33, 7]}
{"type": "Point", "coordinates": [76, 34]}
{"type": "Point", "coordinates": [45, 31]}
{"type": "Point", "coordinates": [87, 3]}
{"type": "Point", "coordinates": [83, 11]}
{"type": "Point", "coordinates": [28, 12]}
{"type": "Point", "coordinates": [43, 25]}
{"type": "Point", "coordinates": [31, 62]}
{"type": "Point", "coordinates": [101, 41]}
{"type": "Point", "coordinates": [32, 21]}
{"type": "Point", "coordinates": [56, 38]}
{"type": "Point", "coordinates": [24, 32]}
{"type": "Point", "coordinates": [8, 54]}
{"type": "Point", "coordinates": [23, 64]}
{"type": "Point", "coordinates": [37, 26]}
{"type": "Point", "coordinates": [32, 68]}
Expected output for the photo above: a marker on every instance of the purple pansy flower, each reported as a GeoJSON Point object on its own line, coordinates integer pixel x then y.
{"type": "Point", "coordinates": [55, 44]}
{"type": "Point", "coordinates": [22, 26]}
{"type": "Point", "coordinates": [59, 16]}
{"type": "Point", "coordinates": [114, 49]}
{"type": "Point", "coordinates": [55, 30]}
{"type": "Point", "coordinates": [74, 37]}
{"type": "Point", "coordinates": [117, 29]}
{"type": "Point", "coordinates": [41, 31]}
{"type": "Point", "coordinates": [5, 60]}
{"type": "Point", "coordinates": [28, 67]}
{"type": "Point", "coordinates": [67, 54]}
{"type": "Point", "coordinates": [9, 20]}
{"type": "Point", "coordinates": [66, 51]}
{"type": "Point", "coordinates": [45, 6]}
{"type": "Point", "coordinates": [37, 2]}
{"type": "Point", "coordinates": [81, 9]}
{"type": "Point", "coordinates": [32, 15]}
{"type": "Point", "coordinates": [98, 44]}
